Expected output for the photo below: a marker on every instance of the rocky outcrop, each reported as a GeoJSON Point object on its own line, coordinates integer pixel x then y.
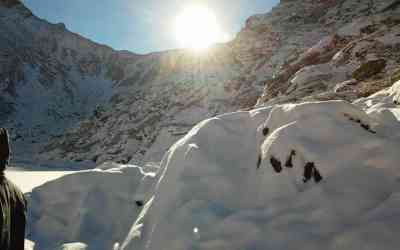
{"type": "Point", "coordinates": [363, 47]}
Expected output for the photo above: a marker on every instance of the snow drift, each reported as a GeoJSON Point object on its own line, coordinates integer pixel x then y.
{"type": "Point", "coordinates": [96, 207]}
{"type": "Point", "coordinates": [320, 175]}
{"type": "Point", "coordinates": [316, 175]}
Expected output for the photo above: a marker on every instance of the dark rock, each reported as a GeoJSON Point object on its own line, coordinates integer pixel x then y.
{"type": "Point", "coordinates": [365, 126]}
{"type": "Point", "coordinates": [317, 176]}
{"type": "Point", "coordinates": [139, 203]}
{"type": "Point", "coordinates": [259, 161]}
{"type": "Point", "coordinates": [289, 163]}
{"type": "Point", "coordinates": [265, 131]}
{"type": "Point", "coordinates": [276, 164]}
{"type": "Point", "coordinates": [308, 171]}
{"type": "Point", "coordinates": [369, 69]}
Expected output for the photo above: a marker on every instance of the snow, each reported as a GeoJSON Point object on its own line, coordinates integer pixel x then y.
{"type": "Point", "coordinates": [213, 195]}
{"type": "Point", "coordinates": [95, 206]}
{"type": "Point", "coordinates": [314, 175]}
{"type": "Point", "coordinates": [28, 180]}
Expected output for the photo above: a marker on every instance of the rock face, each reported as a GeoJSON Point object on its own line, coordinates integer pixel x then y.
{"type": "Point", "coordinates": [361, 43]}
{"type": "Point", "coordinates": [69, 98]}
{"type": "Point", "coordinates": [50, 78]}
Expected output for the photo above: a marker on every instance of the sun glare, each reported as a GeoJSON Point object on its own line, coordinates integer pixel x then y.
{"type": "Point", "coordinates": [197, 28]}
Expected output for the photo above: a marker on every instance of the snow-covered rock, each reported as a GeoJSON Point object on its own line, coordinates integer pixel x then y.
{"type": "Point", "coordinates": [95, 207]}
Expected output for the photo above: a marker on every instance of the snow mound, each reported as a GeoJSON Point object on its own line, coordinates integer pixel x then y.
{"type": "Point", "coordinates": [92, 207]}
{"type": "Point", "coordinates": [319, 175]}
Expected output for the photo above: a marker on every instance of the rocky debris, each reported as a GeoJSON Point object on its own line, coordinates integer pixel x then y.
{"type": "Point", "coordinates": [345, 86]}
{"type": "Point", "coordinates": [369, 69]}
{"type": "Point", "coordinates": [289, 162]}
{"type": "Point", "coordinates": [310, 171]}
{"type": "Point", "coordinates": [369, 36]}
{"type": "Point", "coordinates": [276, 164]}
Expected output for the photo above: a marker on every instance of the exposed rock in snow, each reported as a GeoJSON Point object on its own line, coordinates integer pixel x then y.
{"type": "Point", "coordinates": [96, 207]}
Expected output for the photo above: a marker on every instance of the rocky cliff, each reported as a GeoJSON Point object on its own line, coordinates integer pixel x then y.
{"type": "Point", "coordinates": [78, 100]}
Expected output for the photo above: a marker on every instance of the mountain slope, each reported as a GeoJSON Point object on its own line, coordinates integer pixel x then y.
{"type": "Point", "coordinates": [269, 51]}
{"type": "Point", "coordinates": [50, 78]}
{"type": "Point", "coordinates": [71, 99]}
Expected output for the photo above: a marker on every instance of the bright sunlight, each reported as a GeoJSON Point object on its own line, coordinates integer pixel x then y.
{"type": "Point", "coordinates": [197, 28]}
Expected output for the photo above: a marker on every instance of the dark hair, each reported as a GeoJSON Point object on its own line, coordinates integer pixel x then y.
{"type": "Point", "coordinates": [4, 149]}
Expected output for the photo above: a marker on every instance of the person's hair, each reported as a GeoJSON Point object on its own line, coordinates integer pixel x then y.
{"type": "Point", "coordinates": [4, 149]}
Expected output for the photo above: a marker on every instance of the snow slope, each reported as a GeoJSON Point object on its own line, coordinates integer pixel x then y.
{"type": "Point", "coordinates": [94, 206]}
{"type": "Point", "coordinates": [28, 180]}
{"type": "Point", "coordinates": [314, 175]}
{"type": "Point", "coordinates": [328, 178]}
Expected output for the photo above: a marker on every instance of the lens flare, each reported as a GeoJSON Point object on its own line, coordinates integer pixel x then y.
{"type": "Point", "coordinates": [197, 28]}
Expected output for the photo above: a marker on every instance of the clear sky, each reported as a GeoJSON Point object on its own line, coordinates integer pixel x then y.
{"type": "Point", "coordinates": [140, 26]}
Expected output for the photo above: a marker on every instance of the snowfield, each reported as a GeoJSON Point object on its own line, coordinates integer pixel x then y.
{"type": "Point", "coordinates": [93, 206]}
{"type": "Point", "coordinates": [317, 175]}
{"type": "Point", "coordinates": [28, 180]}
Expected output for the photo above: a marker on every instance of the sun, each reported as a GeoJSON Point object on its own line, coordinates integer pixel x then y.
{"type": "Point", "coordinates": [196, 27]}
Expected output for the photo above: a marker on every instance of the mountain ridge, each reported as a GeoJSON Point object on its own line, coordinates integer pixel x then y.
{"type": "Point", "coordinates": [144, 103]}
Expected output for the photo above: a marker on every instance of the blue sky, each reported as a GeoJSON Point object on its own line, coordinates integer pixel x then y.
{"type": "Point", "coordinates": [140, 26]}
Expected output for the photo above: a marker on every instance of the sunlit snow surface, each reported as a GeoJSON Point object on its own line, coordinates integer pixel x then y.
{"type": "Point", "coordinates": [215, 194]}
{"type": "Point", "coordinates": [239, 181]}
{"type": "Point", "coordinates": [28, 180]}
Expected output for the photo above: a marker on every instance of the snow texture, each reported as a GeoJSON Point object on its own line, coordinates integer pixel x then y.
{"type": "Point", "coordinates": [315, 175]}
{"type": "Point", "coordinates": [324, 175]}
{"type": "Point", "coordinates": [95, 207]}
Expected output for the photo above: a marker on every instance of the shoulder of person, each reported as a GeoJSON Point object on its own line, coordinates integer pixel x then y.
{"type": "Point", "coordinates": [16, 192]}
